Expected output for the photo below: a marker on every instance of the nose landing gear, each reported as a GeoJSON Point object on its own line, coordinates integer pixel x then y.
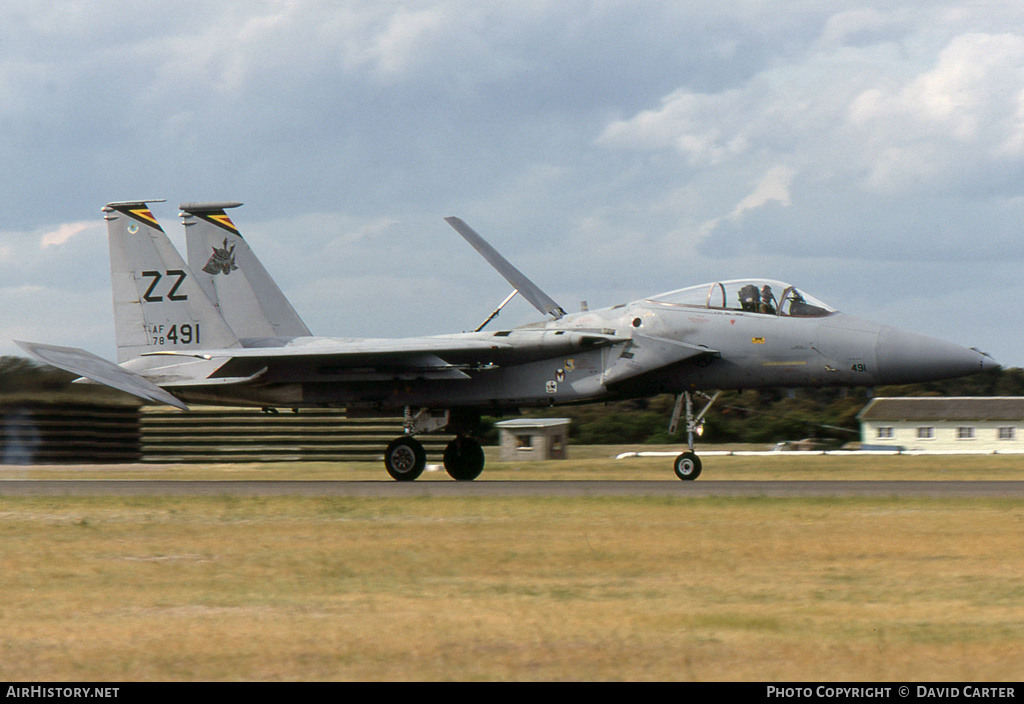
{"type": "Point", "coordinates": [687, 466]}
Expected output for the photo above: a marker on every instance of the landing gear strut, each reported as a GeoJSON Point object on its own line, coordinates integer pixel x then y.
{"type": "Point", "coordinates": [687, 466]}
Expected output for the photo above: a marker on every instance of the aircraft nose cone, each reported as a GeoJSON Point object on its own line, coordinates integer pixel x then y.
{"type": "Point", "coordinates": [907, 358]}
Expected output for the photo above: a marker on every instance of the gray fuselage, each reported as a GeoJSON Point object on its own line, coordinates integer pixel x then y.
{"type": "Point", "coordinates": [559, 362]}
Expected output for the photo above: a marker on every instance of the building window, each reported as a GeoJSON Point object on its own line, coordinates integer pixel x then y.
{"type": "Point", "coordinates": [886, 432]}
{"type": "Point", "coordinates": [965, 432]}
{"type": "Point", "coordinates": [1008, 432]}
{"type": "Point", "coordinates": [926, 432]}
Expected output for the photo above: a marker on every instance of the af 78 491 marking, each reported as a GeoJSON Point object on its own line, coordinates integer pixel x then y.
{"type": "Point", "coordinates": [183, 334]}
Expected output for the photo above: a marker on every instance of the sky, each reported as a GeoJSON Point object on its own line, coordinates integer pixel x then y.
{"type": "Point", "coordinates": [870, 153]}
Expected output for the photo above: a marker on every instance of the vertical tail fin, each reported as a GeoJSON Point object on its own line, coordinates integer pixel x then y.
{"type": "Point", "coordinates": [158, 303]}
{"type": "Point", "coordinates": [235, 280]}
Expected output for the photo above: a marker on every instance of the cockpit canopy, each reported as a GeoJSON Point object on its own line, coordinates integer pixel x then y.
{"type": "Point", "coordinates": [748, 295]}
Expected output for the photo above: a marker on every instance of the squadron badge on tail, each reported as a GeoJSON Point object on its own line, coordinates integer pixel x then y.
{"type": "Point", "coordinates": [222, 261]}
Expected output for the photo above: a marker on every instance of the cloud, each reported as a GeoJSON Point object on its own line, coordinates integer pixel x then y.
{"type": "Point", "coordinates": [609, 149]}
{"type": "Point", "coordinates": [63, 233]}
{"type": "Point", "coordinates": [965, 115]}
{"type": "Point", "coordinates": [408, 35]}
{"type": "Point", "coordinates": [774, 187]}
{"type": "Point", "coordinates": [861, 124]}
{"type": "Point", "coordinates": [705, 129]}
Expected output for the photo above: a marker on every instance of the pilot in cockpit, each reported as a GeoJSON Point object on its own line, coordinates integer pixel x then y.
{"type": "Point", "coordinates": [800, 307]}
{"type": "Point", "coordinates": [767, 300]}
{"type": "Point", "coordinates": [749, 298]}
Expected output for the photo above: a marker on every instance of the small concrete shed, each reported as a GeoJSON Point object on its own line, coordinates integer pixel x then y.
{"type": "Point", "coordinates": [533, 438]}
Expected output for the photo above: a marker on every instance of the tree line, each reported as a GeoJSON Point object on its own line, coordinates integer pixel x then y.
{"type": "Point", "coordinates": [764, 416]}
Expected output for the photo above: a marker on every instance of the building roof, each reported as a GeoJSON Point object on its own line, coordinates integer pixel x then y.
{"type": "Point", "coordinates": [928, 408]}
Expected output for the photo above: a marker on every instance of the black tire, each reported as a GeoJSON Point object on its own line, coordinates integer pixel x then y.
{"type": "Point", "coordinates": [464, 459]}
{"type": "Point", "coordinates": [687, 466]}
{"type": "Point", "coordinates": [405, 459]}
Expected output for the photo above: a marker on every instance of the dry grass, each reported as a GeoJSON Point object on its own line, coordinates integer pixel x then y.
{"type": "Point", "coordinates": [170, 588]}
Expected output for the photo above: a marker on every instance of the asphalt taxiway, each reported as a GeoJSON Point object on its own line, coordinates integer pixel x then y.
{"type": "Point", "coordinates": [483, 488]}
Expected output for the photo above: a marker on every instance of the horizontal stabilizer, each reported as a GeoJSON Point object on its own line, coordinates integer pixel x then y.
{"type": "Point", "coordinates": [90, 366]}
{"type": "Point", "coordinates": [527, 289]}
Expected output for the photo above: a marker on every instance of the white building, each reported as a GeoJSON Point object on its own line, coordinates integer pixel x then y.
{"type": "Point", "coordinates": [944, 424]}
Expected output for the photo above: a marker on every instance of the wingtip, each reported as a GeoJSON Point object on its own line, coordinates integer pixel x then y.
{"type": "Point", "coordinates": [26, 346]}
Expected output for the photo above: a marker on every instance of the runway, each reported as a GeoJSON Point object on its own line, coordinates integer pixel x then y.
{"type": "Point", "coordinates": [484, 488]}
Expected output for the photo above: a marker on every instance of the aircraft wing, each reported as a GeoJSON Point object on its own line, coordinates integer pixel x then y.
{"type": "Point", "coordinates": [364, 359]}
{"type": "Point", "coordinates": [90, 366]}
{"type": "Point", "coordinates": [434, 357]}
{"type": "Point", "coordinates": [442, 357]}
{"type": "Point", "coordinates": [323, 346]}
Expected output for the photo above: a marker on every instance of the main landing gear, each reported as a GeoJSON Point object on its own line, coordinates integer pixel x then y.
{"type": "Point", "coordinates": [405, 459]}
{"type": "Point", "coordinates": [687, 466]}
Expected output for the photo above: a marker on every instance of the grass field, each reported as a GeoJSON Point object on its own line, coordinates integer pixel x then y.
{"type": "Point", "coordinates": [285, 588]}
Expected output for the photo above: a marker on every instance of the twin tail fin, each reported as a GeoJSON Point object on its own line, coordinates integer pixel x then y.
{"type": "Point", "coordinates": [233, 278]}
{"type": "Point", "coordinates": [159, 304]}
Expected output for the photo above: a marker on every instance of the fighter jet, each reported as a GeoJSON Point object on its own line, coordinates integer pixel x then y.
{"type": "Point", "coordinates": [219, 331]}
